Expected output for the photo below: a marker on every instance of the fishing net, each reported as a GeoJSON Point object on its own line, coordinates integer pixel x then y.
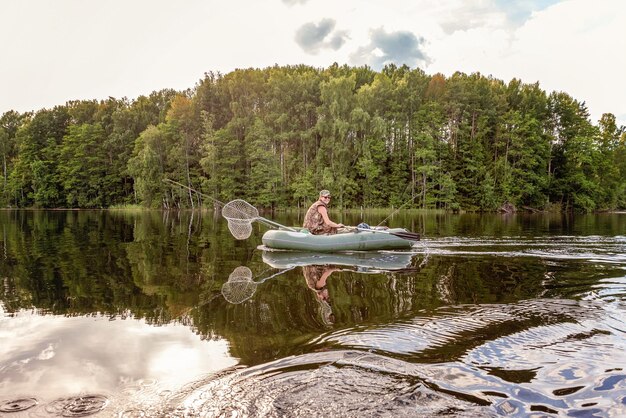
{"type": "Point", "coordinates": [239, 211]}
{"type": "Point", "coordinates": [240, 229]}
{"type": "Point", "coordinates": [240, 215]}
{"type": "Point", "coordinates": [240, 286]}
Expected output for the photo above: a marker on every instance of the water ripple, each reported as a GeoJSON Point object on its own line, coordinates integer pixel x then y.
{"type": "Point", "coordinates": [598, 249]}
{"type": "Point", "coordinates": [337, 383]}
{"type": "Point", "coordinates": [460, 328]}
{"type": "Point", "coordinates": [77, 406]}
{"type": "Point", "coordinates": [346, 383]}
{"type": "Point", "coordinates": [17, 405]}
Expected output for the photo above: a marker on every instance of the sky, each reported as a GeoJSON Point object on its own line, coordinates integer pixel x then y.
{"type": "Point", "coordinates": [53, 51]}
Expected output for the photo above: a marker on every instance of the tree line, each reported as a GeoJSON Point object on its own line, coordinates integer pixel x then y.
{"type": "Point", "coordinates": [276, 136]}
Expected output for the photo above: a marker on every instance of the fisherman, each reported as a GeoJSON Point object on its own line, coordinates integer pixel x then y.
{"type": "Point", "coordinates": [316, 219]}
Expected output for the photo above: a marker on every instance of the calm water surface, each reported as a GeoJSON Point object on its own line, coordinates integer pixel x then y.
{"type": "Point", "coordinates": [142, 314]}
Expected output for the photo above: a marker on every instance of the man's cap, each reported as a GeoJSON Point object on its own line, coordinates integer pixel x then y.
{"type": "Point", "coordinates": [324, 193]}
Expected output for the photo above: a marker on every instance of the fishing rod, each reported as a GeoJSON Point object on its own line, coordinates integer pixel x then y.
{"type": "Point", "coordinates": [195, 191]}
{"type": "Point", "coordinates": [239, 214]}
{"type": "Point", "coordinates": [396, 211]}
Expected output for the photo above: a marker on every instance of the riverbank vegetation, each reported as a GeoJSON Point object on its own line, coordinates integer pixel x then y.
{"type": "Point", "coordinates": [276, 136]}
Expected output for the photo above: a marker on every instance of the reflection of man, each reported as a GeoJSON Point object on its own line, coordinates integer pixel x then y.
{"type": "Point", "coordinates": [316, 277]}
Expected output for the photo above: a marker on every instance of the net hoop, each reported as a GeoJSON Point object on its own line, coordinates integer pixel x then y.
{"type": "Point", "coordinates": [240, 230]}
{"type": "Point", "coordinates": [240, 211]}
{"type": "Point", "coordinates": [240, 286]}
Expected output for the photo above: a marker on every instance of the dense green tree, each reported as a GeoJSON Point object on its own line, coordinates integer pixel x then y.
{"type": "Point", "coordinates": [291, 114]}
{"type": "Point", "coordinates": [336, 156]}
{"type": "Point", "coordinates": [276, 136]}
{"type": "Point", "coordinates": [223, 165]}
{"type": "Point", "coordinates": [611, 163]}
{"type": "Point", "coordinates": [575, 181]}
{"type": "Point", "coordinates": [127, 122]}
{"type": "Point", "coordinates": [82, 166]}
{"type": "Point", "coordinates": [429, 137]}
{"type": "Point", "coordinates": [265, 169]}
{"type": "Point", "coordinates": [34, 179]}
{"type": "Point", "coordinates": [147, 166]}
{"type": "Point", "coordinates": [183, 155]}
{"type": "Point", "coordinates": [10, 123]}
{"type": "Point", "coordinates": [372, 145]}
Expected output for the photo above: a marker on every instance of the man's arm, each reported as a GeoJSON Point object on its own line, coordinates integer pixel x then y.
{"type": "Point", "coordinates": [322, 210]}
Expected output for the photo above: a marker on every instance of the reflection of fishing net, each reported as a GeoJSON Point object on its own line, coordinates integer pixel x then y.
{"type": "Point", "coordinates": [239, 286]}
{"type": "Point", "coordinates": [240, 229]}
{"type": "Point", "coordinates": [241, 273]}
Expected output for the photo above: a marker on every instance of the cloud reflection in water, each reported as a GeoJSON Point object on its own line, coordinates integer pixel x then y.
{"type": "Point", "coordinates": [50, 356]}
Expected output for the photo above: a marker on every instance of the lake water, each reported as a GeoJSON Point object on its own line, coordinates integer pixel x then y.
{"type": "Point", "coordinates": [142, 314]}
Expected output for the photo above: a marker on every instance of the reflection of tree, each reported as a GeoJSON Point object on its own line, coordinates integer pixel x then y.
{"type": "Point", "coordinates": [70, 263]}
{"type": "Point", "coordinates": [171, 266]}
{"type": "Point", "coordinates": [151, 265]}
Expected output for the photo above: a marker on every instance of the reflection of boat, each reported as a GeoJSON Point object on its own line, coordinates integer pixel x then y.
{"type": "Point", "coordinates": [377, 261]}
{"type": "Point", "coordinates": [351, 241]}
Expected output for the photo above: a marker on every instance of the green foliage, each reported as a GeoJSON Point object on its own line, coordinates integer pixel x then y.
{"type": "Point", "coordinates": [276, 136]}
{"type": "Point", "coordinates": [264, 166]}
{"type": "Point", "coordinates": [147, 166]}
{"type": "Point", "coordinates": [81, 172]}
{"type": "Point", "coordinates": [575, 181]}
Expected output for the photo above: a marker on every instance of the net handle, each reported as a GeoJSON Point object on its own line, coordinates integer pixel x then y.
{"type": "Point", "coordinates": [275, 224]}
{"type": "Point", "coordinates": [275, 274]}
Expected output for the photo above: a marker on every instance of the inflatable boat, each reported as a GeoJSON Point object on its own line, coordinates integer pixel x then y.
{"type": "Point", "coordinates": [358, 240]}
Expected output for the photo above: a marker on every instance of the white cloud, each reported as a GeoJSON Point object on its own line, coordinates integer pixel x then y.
{"type": "Point", "coordinates": [401, 47]}
{"type": "Point", "coordinates": [568, 47]}
{"type": "Point", "coordinates": [577, 49]}
{"type": "Point", "coordinates": [312, 37]}
{"type": "Point", "coordinates": [72, 49]}
{"type": "Point", "coordinates": [470, 15]}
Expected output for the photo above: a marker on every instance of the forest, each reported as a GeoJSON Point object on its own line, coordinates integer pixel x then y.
{"type": "Point", "coordinates": [276, 136]}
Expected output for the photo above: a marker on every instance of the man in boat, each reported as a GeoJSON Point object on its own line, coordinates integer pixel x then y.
{"type": "Point", "coordinates": [316, 219]}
